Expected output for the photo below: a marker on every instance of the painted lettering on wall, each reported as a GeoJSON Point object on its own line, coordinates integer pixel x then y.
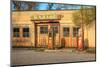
{"type": "Point", "coordinates": [47, 16]}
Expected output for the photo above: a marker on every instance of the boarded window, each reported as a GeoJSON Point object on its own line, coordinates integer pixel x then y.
{"type": "Point", "coordinates": [66, 32]}
{"type": "Point", "coordinates": [16, 32]}
{"type": "Point", "coordinates": [26, 32]}
{"type": "Point", "coordinates": [75, 32]}
{"type": "Point", "coordinates": [43, 30]}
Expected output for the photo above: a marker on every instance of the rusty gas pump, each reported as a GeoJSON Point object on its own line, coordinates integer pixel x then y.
{"type": "Point", "coordinates": [52, 35]}
{"type": "Point", "coordinates": [80, 41]}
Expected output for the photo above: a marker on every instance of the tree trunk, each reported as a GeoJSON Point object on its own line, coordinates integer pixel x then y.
{"type": "Point", "coordinates": [82, 27]}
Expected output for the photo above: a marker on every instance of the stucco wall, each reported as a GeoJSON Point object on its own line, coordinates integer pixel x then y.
{"type": "Point", "coordinates": [90, 34]}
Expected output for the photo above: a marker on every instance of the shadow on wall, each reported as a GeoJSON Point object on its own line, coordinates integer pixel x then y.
{"type": "Point", "coordinates": [86, 43]}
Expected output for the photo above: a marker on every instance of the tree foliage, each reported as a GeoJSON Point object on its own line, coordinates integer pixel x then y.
{"type": "Point", "coordinates": [85, 14]}
{"type": "Point", "coordinates": [21, 5]}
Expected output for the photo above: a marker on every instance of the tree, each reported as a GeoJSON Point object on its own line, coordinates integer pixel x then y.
{"type": "Point", "coordinates": [88, 14]}
{"type": "Point", "coordinates": [84, 16]}
{"type": "Point", "coordinates": [31, 5]}
{"type": "Point", "coordinates": [22, 5]}
{"type": "Point", "coordinates": [50, 5]}
{"type": "Point", "coordinates": [54, 6]}
{"type": "Point", "coordinates": [17, 5]}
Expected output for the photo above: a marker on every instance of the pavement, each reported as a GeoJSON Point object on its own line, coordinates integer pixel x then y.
{"type": "Point", "coordinates": [26, 56]}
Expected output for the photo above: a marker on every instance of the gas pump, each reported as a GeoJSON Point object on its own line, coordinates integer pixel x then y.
{"type": "Point", "coordinates": [52, 35]}
{"type": "Point", "coordinates": [80, 43]}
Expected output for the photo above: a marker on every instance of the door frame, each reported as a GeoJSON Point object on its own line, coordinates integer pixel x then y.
{"type": "Point", "coordinates": [49, 24]}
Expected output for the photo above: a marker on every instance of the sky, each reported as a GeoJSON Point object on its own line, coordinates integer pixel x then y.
{"type": "Point", "coordinates": [44, 6]}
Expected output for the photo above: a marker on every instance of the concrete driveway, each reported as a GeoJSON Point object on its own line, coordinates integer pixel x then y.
{"type": "Point", "coordinates": [25, 56]}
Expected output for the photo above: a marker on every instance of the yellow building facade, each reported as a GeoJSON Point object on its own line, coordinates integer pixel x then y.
{"type": "Point", "coordinates": [48, 29]}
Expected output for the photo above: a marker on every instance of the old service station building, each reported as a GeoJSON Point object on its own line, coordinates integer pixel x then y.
{"type": "Point", "coordinates": [48, 29]}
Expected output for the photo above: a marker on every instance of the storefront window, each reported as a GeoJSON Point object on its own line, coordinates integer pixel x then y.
{"type": "Point", "coordinates": [56, 29]}
{"type": "Point", "coordinates": [75, 32]}
{"type": "Point", "coordinates": [16, 32]}
{"type": "Point", "coordinates": [25, 32]}
{"type": "Point", "coordinates": [66, 32]}
{"type": "Point", "coordinates": [43, 30]}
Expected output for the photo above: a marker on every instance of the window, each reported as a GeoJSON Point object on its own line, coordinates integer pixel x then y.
{"type": "Point", "coordinates": [75, 32]}
{"type": "Point", "coordinates": [66, 32]}
{"type": "Point", "coordinates": [43, 30]}
{"type": "Point", "coordinates": [55, 29]}
{"type": "Point", "coordinates": [25, 32]}
{"type": "Point", "coordinates": [16, 32]}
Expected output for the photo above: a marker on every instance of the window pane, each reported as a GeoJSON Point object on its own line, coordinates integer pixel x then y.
{"type": "Point", "coordinates": [15, 29]}
{"type": "Point", "coordinates": [75, 32]}
{"type": "Point", "coordinates": [56, 29]}
{"type": "Point", "coordinates": [43, 30]}
{"type": "Point", "coordinates": [25, 32]}
{"type": "Point", "coordinates": [16, 32]}
{"type": "Point", "coordinates": [25, 29]}
{"type": "Point", "coordinates": [66, 32]}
